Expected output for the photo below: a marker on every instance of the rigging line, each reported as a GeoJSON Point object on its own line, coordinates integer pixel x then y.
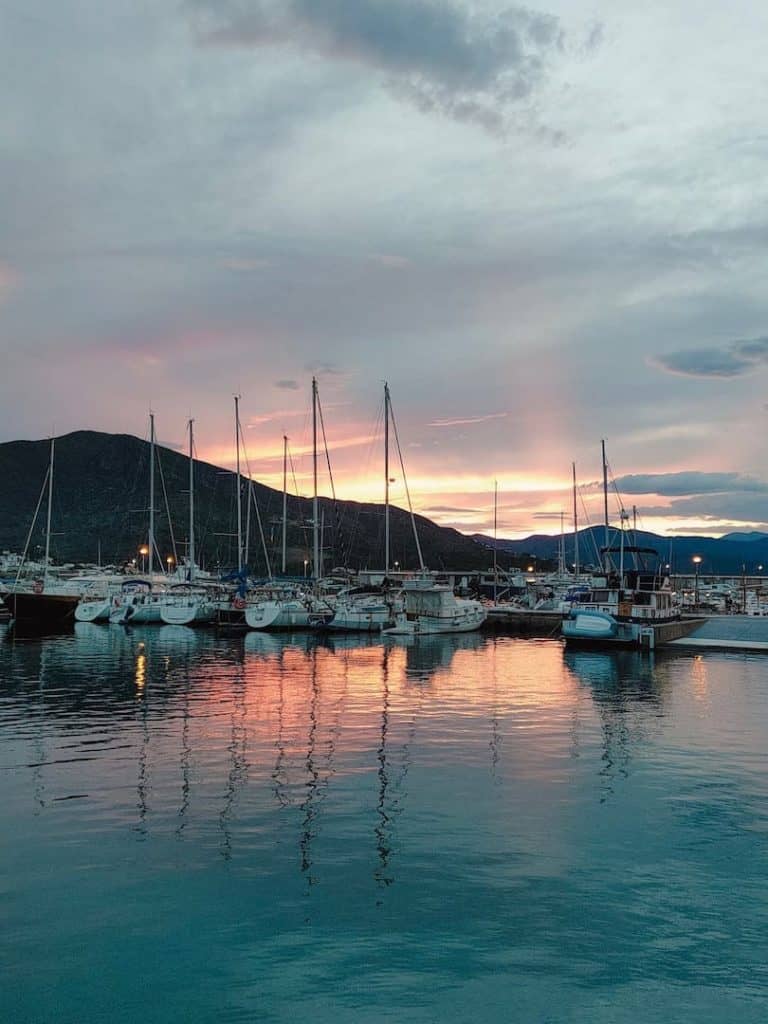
{"type": "Point", "coordinates": [339, 535]}
{"type": "Point", "coordinates": [32, 527]}
{"type": "Point", "coordinates": [325, 445]}
{"type": "Point", "coordinates": [168, 513]}
{"type": "Point", "coordinates": [372, 445]}
{"type": "Point", "coordinates": [302, 520]}
{"type": "Point", "coordinates": [407, 488]}
{"type": "Point", "coordinates": [589, 524]}
{"type": "Point", "coordinates": [252, 496]}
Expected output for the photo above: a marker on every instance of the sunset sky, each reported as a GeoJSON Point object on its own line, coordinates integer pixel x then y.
{"type": "Point", "coordinates": [543, 225]}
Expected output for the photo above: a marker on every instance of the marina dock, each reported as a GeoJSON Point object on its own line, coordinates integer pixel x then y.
{"type": "Point", "coordinates": [727, 632]}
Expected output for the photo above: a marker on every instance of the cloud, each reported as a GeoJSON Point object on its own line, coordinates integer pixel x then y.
{"type": "Point", "coordinates": [738, 507]}
{"type": "Point", "coordinates": [287, 384]}
{"type": "Point", "coordinates": [734, 360]}
{"type": "Point", "coordinates": [324, 369]}
{"type": "Point", "coordinates": [467, 420]}
{"type": "Point", "coordinates": [438, 55]}
{"type": "Point", "coordinates": [689, 483]}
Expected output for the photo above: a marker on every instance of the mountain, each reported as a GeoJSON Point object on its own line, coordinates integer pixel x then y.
{"type": "Point", "coordinates": [748, 536]}
{"type": "Point", "coordinates": [101, 497]}
{"type": "Point", "coordinates": [732, 554]}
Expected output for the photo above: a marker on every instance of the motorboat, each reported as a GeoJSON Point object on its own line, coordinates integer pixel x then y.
{"type": "Point", "coordinates": [430, 607]}
{"type": "Point", "coordinates": [620, 610]}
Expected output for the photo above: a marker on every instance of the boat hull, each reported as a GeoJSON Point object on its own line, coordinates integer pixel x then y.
{"type": "Point", "coordinates": [136, 614]}
{"type": "Point", "coordinates": [93, 611]}
{"type": "Point", "coordinates": [274, 615]}
{"type": "Point", "coordinates": [42, 611]}
{"type": "Point", "coordinates": [427, 625]}
{"type": "Point", "coordinates": [359, 620]}
{"type": "Point", "coordinates": [187, 614]}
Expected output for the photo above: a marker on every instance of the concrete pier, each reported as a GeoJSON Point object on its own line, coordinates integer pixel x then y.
{"type": "Point", "coordinates": [727, 633]}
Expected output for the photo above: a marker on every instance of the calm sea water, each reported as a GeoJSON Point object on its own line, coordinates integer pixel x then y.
{"type": "Point", "coordinates": [463, 829]}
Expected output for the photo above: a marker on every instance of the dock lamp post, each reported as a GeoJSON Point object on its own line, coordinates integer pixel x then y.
{"type": "Point", "coordinates": [144, 551]}
{"type": "Point", "coordinates": [306, 563]}
{"type": "Point", "coordinates": [697, 563]}
{"type": "Point", "coordinates": [169, 562]}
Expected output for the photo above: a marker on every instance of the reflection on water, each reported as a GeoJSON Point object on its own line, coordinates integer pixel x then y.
{"type": "Point", "coordinates": [467, 824]}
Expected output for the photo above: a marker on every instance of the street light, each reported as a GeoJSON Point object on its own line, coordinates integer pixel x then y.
{"type": "Point", "coordinates": [169, 561]}
{"type": "Point", "coordinates": [306, 563]}
{"type": "Point", "coordinates": [144, 551]}
{"type": "Point", "coordinates": [697, 563]}
{"type": "Point", "coordinates": [530, 568]}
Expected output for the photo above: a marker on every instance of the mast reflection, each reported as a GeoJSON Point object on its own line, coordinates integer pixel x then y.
{"type": "Point", "coordinates": [619, 683]}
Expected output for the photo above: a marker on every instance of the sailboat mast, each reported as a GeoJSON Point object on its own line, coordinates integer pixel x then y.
{"type": "Point", "coordinates": [495, 537]}
{"type": "Point", "coordinates": [48, 521]}
{"type": "Point", "coordinates": [239, 501]}
{"type": "Point", "coordinates": [605, 506]}
{"type": "Point", "coordinates": [151, 491]}
{"type": "Point", "coordinates": [575, 526]}
{"type": "Point", "coordinates": [315, 517]}
{"type": "Point", "coordinates": [285, 499]}
{"type": "Point", "coordinates": [386, 480]}
{"type": "Point", "coordinates": [191, 548]}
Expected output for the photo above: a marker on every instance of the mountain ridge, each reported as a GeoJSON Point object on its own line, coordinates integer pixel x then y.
{"type": "Point", "coordinates": [101, 488]}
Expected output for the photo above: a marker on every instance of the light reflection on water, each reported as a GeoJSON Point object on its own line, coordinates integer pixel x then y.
{"type": "Point", "coordinates": [461, 828]}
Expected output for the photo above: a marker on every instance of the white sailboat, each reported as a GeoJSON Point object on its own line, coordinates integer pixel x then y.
{"type": "Point", "coordinates": [139, 600]}
{"type": "Point", "coordinates": [362, 610]}
{"type": "Point", "coordinates": [292, 608]}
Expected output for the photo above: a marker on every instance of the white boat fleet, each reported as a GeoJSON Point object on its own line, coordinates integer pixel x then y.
{"type": "Point", "coordinates": [613, 605]}
{"type": "Point", "coordinates": [401, 604]}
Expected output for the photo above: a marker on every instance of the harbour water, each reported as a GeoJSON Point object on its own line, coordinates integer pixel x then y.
{"type": "Point", "coordinates": [461, 829]}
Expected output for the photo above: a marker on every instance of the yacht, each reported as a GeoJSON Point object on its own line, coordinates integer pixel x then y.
{"type": "Point", "coordinates": [619, 611]}
{"type": "Point", "coordinates": [431, 607]}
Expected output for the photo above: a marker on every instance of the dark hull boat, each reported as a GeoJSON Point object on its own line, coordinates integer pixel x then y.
{"type": "Point", "coordinates": [42, 611]}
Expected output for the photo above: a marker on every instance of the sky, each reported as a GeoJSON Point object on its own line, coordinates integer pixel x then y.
{"type": "Point", "coordinates": [542, 225]}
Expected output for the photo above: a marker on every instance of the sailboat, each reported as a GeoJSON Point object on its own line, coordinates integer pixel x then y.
{"type": "Point", "coordinates": [281, 607]}
{"type": "Point", "coordinates": [45, 606]}
{"type": "Point", "coordinates": [429, 606]}
{"type": "Point", "coordinates": [190, 602]}
{"type": "Point", "coordinates": [366, 609]}
{"type": "Point", "coordinates": [139, 600]}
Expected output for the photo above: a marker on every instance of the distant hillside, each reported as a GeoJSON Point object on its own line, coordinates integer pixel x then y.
{"type": "Point", "coordinates": [730, 554]}
{"type": "Point", "coordinates": [101, 498]}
